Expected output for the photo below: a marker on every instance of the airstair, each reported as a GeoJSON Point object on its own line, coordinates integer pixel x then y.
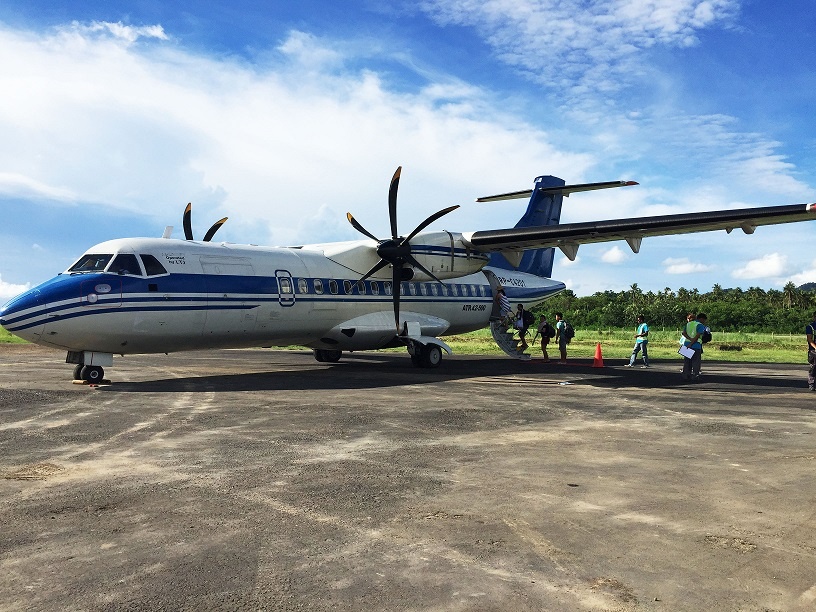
{"type": "Point", "coordinates": [503, 335]}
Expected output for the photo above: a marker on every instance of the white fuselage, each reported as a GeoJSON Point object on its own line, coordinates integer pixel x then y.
{"type": "Point", "coordinates": [207, 295]}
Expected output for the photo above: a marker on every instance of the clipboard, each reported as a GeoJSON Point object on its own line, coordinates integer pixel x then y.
{"type": "Point", "coordinates": [686, 352]}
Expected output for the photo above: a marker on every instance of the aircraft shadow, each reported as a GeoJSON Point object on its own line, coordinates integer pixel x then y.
{"type": "Point", "coordinates": [367, 371]}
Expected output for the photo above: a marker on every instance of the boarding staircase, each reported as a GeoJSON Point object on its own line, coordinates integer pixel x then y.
{"type": "Point", "coordinates": [503, 335]}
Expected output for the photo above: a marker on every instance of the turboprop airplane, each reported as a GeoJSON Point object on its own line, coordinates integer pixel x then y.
{"type": "Point", "coordinates": [162, 295]}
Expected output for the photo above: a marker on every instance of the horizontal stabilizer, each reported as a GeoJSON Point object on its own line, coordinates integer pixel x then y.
{"type": "Point", "coordinates": [565, 190]}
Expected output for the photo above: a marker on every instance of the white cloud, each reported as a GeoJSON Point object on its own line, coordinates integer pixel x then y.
{"type": "Point", "coordinates": [615, 255]}
{"type": "Point", "coordinates": [578, 44]}
{"type": "Point", "coordinates": [9, 290]}
{"type": "Point", "coordinates": [683, 265]}
{"type": "Point", "coordinates": [768, 266]}
{"type": "Point", "coordinates": [127, 33]}
{"type": "Point", "coordinates": [150, 127]}
{"type": "Point", "coordinates": [807, 275]}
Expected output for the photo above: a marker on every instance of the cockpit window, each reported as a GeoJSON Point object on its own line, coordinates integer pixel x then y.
{"type": "Point", "coordinates": [152, 265]}
{"type": "Point", "coordinates": [91, 263]}
{"type": "Point", "coordinates": [125, 263]}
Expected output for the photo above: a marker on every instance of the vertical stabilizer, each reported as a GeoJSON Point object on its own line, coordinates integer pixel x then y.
{"type": "Point", "coordinates": [543, 209]}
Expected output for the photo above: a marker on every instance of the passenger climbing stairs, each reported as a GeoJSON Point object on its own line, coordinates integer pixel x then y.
{"type": "Point", "coordinates": [503, 335]}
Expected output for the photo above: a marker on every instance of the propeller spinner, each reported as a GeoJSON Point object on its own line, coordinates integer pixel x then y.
{"type": "Point", "coordinates": [188, 227]}
{"type": "Point", "coordinates": [396, 251]}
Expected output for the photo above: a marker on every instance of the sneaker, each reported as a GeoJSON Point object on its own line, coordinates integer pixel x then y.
{"type": "Point", "coordinates": [629, 365]}
{"type": "Point", "coordinates": [811, 388]}
{"type": "Point", "coordinates": [643, 367]}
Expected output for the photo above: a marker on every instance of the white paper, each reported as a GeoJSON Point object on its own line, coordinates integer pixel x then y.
{"type": "Point", "coordinates": [686, 352]}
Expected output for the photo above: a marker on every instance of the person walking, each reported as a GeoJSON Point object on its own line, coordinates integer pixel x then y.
{"type": "Point", "coordinates": [693, 334]}
{"type": "Point", "coordinates": [561, 336]}
{"type": "Point", "coordinates": [502, 304]}
{"type": "Point", "coordinates": [546, 331]}
{"type": "Point", "coordinates": [524, 318]}
{"type": "Point", "coordinates": [810, 331]}
{"type": "Point", "coordinates": [641, 343]}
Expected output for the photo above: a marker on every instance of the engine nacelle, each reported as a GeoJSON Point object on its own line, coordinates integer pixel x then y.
{"type": "Point", "coordinates": [445, 255]}
{"type": "Point", "coordinates": [442, 253]}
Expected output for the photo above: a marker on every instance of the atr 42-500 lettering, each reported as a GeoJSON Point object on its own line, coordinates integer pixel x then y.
{"type": "Point", "coordinates": [477, 307]}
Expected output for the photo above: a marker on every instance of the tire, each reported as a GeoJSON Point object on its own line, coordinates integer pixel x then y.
{"type": "Point", "coordinates": [78, 371]}
{"type": "Point", "coordinates": [431, 356]}
{"type": "Point", "coordinates": [332, 356]}
{"type": "Point", "coordinates": [92, 374]}
{"type": "Point", "coordinates": [416, 360]}
{"type": "Point", "coordinates": [318, 355]}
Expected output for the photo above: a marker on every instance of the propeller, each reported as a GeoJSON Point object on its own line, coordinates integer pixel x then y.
{"type": "Point", "coordinates": [396, 251]}
{"type": "Point", "coordinates": [188, 227]}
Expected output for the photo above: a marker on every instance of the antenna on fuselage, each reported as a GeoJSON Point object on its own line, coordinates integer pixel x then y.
{"type": "Point", "coordinates": [168, 231]}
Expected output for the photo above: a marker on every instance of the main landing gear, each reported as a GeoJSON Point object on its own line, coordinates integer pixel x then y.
{"type": "Point", "coordinates": [425, 355]}
{"type": "Point", "coordinates": [327, 355]}
{"type": "Point", "coordinates": [91, 374]}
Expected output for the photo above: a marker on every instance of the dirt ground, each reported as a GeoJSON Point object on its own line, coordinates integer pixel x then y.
{"type": "Point", "coordinates": [263, 480]}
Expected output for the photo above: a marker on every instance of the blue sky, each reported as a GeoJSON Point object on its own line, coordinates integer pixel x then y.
{"type": "Point", "coordinates": [283, 116]}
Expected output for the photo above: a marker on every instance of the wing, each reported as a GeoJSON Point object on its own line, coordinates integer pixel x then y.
{"type": "Point", "coordinates": [568, 237]}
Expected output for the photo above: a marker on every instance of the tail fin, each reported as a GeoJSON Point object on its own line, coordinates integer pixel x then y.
{"type": "Point", "coordinates": [544, 208]}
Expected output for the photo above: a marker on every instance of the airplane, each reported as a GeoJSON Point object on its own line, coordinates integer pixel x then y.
{"type": "Point", "coordinates": [163, 295]}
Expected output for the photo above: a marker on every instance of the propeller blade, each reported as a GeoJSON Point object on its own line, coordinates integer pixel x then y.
{"type": "Point", "coordinates": [378, 266]}
{"type": "Point", "coordinates": [392, 201]}
{"type": "Point", "coordinates": [215, 227]}
{"type": "Point", "coordinates": [428, 221]}
{"type": "Point", "coordinates": [412, 260]}
{"type": "Point", "coordinates": [396, 286]}
{"type": "Point", "coordinates": [188, 228]}
{"type": "Point", "coordinates": [359, 227]}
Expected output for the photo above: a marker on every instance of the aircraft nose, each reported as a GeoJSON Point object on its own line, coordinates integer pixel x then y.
{"type": "Point", "coordinates": [22, 315]}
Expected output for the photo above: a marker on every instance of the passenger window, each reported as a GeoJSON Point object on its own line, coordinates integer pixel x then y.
{"type": "Point", "coordinates": [423, 288]}
{"type": "Point", "coordinates": [347, 287]}
{"type": "Point", "coordinates": [473, 291]}
{"type": "Point", "coordinates": [464, 290]}
{"type": "Point", "coordinates": [412, 288]}
{"type": "Point", "coordinates": [434, 289]}
{"type": "Point", "coordinates": [333, 286]}
{"type": "Point", "coordinates": [285, 285]}
{"type": "Point", "coordinates": [303, 286]}
{"type": "Point", "coordinates": [453, 289]}
{"type": "Point", "coordinates": [152, 265]}
{"type": "Point", "coordinates": [375, 288]}
{"type": "Point", "coordinates": [361, 287]}
{"type": "Point", "coordinates": [387, 287]}
{"type": "Point", "coordinates": [125, 263]}
{"type": "Point", "coordinates": [318, 285]}
{"type": "Point", "coordinates": [91, 263]}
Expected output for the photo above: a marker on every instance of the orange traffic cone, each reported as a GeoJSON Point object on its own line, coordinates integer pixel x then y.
{"type": "Point", "coordinates": [598, 361]}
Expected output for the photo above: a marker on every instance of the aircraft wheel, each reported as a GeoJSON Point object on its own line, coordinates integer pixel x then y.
{"type": "Point", "coordinates": [318, 355]}
{"type": "Point", "coordinates": [416, 360]}
{"type": "Point", "coordinates": [431, 356]}
{"type": "Point", "coordinates": [92, 374]}
{"type": "Point", "coordinates": [332, 356]}
{"type": "Point", "coordinates": [78, 371]}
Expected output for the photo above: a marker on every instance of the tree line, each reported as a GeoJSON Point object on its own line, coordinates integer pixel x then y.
{"type": "Point", "coordinates": [750, 310]}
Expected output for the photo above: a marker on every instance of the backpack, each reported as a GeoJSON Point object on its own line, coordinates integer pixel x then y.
{"type": "Point", "coordinates": [528, 318]}
{"type": "Point", "coordinates": [550, 331]}
{"type": "Point", "coordinates": [569, 332]}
